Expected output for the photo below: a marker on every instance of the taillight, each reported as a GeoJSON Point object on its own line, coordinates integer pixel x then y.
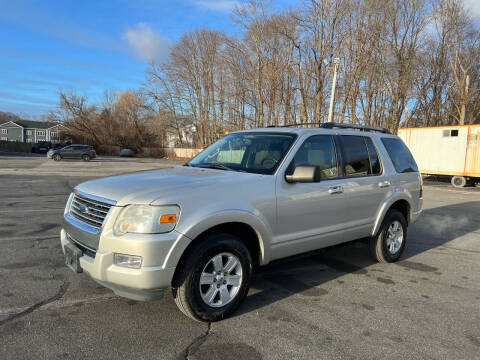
{"type": "Point", "coordinates": [421, 191]}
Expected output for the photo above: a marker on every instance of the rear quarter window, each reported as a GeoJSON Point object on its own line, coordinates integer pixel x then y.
{"type": "Point", "coordinates": [401, 157]}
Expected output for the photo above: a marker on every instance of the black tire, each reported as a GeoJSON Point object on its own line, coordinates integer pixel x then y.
{"type": "Point", "coordinates": [56, 157]}
{"type": "Point", "coordinates": [86, 157]}
{"type": "Point", "coordinates": [458, 181]}
{"type": "Point", "coordinates": [378, 244]}
{"type": "Point", "coordinates": [186, 283]}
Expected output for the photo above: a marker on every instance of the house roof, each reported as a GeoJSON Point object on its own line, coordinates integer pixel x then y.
{"type": "Point", "coordinates": [36, 124]}
{"type": "Point", "coordinates": [30, 124]}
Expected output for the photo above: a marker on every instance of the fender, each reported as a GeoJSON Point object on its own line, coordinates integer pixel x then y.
{"type": "Point", "coordinates": [397, 194]}
{"type": "Point", "coordinates": [218, 218]}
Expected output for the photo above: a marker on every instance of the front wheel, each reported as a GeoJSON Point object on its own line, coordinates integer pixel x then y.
{"type": "Point", "coordinates": [214, 278]}
{"type": "Point", "coordinates": [389, 243]}
{"type": "Point", "coordinates": [57, 157]}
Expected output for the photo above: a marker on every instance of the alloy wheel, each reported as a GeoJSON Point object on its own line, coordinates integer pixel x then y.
{"type": "Point", "coordinates": [394, 237]}
{"type": "Point", "coordinates": [221, 279]}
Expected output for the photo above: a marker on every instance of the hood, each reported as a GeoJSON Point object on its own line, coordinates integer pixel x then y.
{"type": "Point", "coordinates": [146, 187]}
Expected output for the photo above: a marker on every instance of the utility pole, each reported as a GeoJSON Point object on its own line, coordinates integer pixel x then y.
{"type": "Point", "coordinates": [336, 63]}
{"type": "Point", "coordinates": [464, 100]}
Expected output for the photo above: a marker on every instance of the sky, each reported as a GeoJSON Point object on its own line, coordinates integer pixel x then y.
{"type": "Point", "coordinates": [92, 45]}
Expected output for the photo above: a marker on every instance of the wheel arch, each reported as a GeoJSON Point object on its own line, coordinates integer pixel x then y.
{"type": "Point", "coordinates": [245, 232]}
{"type": "Point", "coordinates": [400, 202]}
{"type": "Point", "coordinates": [250, 229]}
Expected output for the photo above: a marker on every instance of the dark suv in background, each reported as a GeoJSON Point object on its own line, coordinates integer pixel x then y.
{"type": "Point", "coordinates": [41, 147]}
{"type": "Point", "coordinates": [84, 152]}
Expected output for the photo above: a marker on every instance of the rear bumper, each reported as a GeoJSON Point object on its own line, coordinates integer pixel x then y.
{"type": "Point", "coordinates": [415, 215]}
{"type": "Point", "coordinates": [145, 283]}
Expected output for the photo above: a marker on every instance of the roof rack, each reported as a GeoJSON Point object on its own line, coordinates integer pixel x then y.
{"type": "Point", "coordinates": [332, 125]}
{"type": "Point", "coordinates": [300, 124]}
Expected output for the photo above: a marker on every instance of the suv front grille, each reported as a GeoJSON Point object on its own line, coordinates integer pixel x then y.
{"type": "Point", "coordinates": [88, 210]}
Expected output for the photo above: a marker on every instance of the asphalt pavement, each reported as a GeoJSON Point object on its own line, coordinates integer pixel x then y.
{"type": "Point", "coordinates": [331, 304]}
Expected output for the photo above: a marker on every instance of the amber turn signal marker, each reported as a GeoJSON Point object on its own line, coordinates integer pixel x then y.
{"type": "Point", "coordinates": [168, 218]}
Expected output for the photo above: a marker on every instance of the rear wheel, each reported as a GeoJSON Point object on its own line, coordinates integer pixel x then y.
{"type": "Point", "coordinates": [389, 243]}
{"type": "Point", "coordinates": [56, 157]}
{"type": "Point", "coordinates": [458, 181]}
{"type": "Point", "coordinates": [86, 157]}
{"type": "Point", "coordinates": [214, 278]}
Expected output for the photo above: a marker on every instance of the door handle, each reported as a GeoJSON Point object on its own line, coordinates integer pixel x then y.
{"type": "Point", "coordinates": [335, 190]}
{"type": "Point", "coordinates": [384, 184]}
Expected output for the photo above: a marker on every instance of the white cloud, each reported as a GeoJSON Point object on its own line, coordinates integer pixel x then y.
{"type": "Point", "coordinates": [217, 5]}
{"type": "Point", "coordinates": [473, 8]}
{"type": "Point", "coordinates": [147, 44]}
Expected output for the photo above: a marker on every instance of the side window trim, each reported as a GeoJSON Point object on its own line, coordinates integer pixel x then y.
{"type": "Point", "coordinates": [340, 157]}
{"type": "Point", "coordinates": [378, 156]}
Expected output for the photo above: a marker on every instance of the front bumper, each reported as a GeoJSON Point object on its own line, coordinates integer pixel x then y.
{"type": "Point", "coordinates": [145, 283]}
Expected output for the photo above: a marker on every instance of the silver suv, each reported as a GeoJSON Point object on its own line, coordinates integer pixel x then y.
{"type": "Point", "coordinates": [252, 197]}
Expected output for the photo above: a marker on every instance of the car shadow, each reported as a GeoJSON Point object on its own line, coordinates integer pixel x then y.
{"type": "Point", "coordinates": [304, 274]}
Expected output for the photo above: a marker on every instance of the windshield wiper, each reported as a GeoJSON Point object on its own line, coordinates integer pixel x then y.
{"type": "Point", "coordinates": [217, 166]}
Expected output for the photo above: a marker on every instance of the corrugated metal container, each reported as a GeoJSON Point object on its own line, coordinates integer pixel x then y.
{"type": "Point", "coordinates": [446, 150]}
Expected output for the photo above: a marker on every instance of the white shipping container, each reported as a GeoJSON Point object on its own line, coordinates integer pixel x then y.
{"type": "Point", "coordinates": [446, 150]}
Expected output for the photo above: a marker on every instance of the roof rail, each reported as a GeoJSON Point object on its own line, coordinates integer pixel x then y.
{"type": "Point", "coordinates": [332, 125]}
{"type": "Point", "coordinates": [301, 124]}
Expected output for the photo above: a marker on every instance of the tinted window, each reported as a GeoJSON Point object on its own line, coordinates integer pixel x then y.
{"type": "Point", "coordinates": [401, 157]}
{"type": "Point", "coordinates": [318, 151]}
{"type": "Point", "coordinates": [355, 156]}
{"type": "Point", "coordinates": [68, 148]}
{"type": "Point", "coordinates": [373, 155]}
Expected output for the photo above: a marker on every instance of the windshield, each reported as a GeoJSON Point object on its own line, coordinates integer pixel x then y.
{"type": "Point", "coordinates": [254, 152]}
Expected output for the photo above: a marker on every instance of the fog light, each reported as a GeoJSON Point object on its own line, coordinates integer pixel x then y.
{"type": "Point", "coordinates": [129, 261]}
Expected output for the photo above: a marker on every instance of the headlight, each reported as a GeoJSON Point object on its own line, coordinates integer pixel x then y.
{"type": "Point", "coordinates": [146, 219]}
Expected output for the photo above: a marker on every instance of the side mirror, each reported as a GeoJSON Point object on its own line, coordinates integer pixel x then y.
{"type": "Point", "coordinates": [304, 174]}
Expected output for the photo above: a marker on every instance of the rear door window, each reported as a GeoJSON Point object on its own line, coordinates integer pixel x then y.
{"type": "Point", "coordinates": [356, 161]}
{"type": "Point", "coordinates": [402, 159]}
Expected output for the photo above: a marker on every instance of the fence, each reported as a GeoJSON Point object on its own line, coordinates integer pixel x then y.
{"type": "Point", "coordinates": [181, 153]}
{"type": "Point", "coordinates": [10, 146]}
{"type": "Point", "coordinates": [170, 152]}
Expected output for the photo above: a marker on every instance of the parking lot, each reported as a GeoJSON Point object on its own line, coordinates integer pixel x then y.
{"type": "Point", "coordinates": [331, 304]}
